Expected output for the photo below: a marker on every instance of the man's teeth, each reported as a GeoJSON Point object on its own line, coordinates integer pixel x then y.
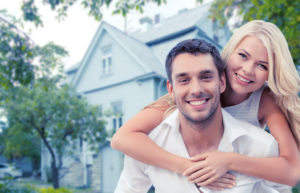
{"type": "Point", "coordinates": [242, 79]}
{"type": "Point", "coordinates": [197, 102]}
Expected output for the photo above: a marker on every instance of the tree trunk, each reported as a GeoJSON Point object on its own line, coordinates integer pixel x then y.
{"type": "Point", "coordinates": [55, 175]}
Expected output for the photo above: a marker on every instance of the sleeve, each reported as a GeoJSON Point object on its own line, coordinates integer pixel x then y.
{"type": "Point", "coordinates": [273, 149]}
{"type": "Point", "coordinates": [133, 178]}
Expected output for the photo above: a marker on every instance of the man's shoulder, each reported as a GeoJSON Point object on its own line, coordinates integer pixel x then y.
{"type": "Point", "coordinates": [170, 123]}
{"type": "Point", "coordinates": [249, 138]}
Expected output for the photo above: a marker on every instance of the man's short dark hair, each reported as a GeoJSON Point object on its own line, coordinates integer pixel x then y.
{"type": "Point", "coordinates": [195, 47]}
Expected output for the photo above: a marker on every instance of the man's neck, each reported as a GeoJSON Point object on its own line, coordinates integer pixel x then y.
{"type": "Point", "coordinates": [204, 136]}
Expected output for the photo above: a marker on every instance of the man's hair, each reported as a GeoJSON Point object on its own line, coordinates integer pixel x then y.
{"type": "Point", "coordinates": [194, 47]}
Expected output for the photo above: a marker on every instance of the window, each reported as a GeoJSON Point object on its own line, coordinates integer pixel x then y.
{"type": "Point", "coordinates": [100, 109]}
{"type": "Point", "coordinates": [106, 65]}
{"type": "Point", "coordinates": [117, 118]}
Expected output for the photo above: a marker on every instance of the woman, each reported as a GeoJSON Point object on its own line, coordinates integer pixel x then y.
{"type": "Point", "coordinates": [262, 88]}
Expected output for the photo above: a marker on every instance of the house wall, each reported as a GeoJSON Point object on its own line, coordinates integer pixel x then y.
{"type": "Point", "coordinates": [133, 95]}
{"type": "Point", "coordinates": [124, 67]}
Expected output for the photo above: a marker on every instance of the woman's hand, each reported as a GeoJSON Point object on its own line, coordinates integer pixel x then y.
{"type": "Point", "coordinates": [224, 182]}
{"type": "Point", "coordinates": [208, 167]}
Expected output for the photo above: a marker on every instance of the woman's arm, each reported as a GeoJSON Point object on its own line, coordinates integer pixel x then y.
{"type": "Point", "coordinates": [284, 169]}
{"type": "Point", "coordinates": [132, 140]}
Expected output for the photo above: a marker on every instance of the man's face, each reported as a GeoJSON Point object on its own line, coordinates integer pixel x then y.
{"type": "Point", "coordinates": [196, 86]}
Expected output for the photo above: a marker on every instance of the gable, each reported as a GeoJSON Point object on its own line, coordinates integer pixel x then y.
{"type": "Point", "coordinates": [123, 66]}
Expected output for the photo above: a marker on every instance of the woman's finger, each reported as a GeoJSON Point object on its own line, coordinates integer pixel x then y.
{"type": "Point", "coordinates": [198, 174]}
{"type": "Point", "coordinates": [193, 169]}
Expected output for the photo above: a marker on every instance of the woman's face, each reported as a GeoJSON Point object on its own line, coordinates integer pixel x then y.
{"type": "Point", "coordinates": [247, 66]}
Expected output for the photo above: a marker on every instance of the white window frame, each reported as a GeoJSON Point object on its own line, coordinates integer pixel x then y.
{"type": "Point", "coordinates": [106, 64]}
{"type": "Point", "coordinates": [117, 118]}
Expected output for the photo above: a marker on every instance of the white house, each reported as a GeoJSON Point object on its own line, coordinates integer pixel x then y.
{"type": "Point", "coordinates": [124, 72]}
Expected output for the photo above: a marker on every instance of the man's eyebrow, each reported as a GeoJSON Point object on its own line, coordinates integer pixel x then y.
{"type": "Point", "coordinates": [180, 75]}
{"type": "Point", "coordinates": [207, 72]}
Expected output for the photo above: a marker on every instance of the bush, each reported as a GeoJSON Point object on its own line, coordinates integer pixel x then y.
{"type": "Point", "coordinates": [52, 190]}
{"type": "Point", "coordinates": [8, 186]}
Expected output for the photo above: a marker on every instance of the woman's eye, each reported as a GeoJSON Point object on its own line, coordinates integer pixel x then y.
{"type": "Point", "coordinates": [262, 66]}
{"type": "Point", "coordinates": [242, 55]}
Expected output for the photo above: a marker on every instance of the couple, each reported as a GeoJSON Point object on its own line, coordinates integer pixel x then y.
{"type": "Point", "coordinates": [200, 126]}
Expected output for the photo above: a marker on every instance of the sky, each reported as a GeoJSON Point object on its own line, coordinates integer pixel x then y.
{"type": "Point", "coordinates": [77, 30]}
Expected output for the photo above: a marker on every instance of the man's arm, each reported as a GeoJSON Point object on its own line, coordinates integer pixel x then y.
{"type": "Point", "coordinates": [133, 178]}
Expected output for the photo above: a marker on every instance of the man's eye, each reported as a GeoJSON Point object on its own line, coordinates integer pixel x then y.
{"type": "Point", "coordinates": [183, 80]}
{"type": "Point", "coordinates": [206, 77]}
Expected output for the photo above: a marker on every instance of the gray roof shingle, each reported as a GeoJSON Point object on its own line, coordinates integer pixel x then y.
{"type": "Point", "coordinates": [183, 21]}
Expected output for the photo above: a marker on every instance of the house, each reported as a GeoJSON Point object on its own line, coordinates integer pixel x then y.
{"type": "Point", "coordinates": [124, 72]}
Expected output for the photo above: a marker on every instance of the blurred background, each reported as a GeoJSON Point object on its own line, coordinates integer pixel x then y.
{"type": "Point", "coordinates": [72, 72]}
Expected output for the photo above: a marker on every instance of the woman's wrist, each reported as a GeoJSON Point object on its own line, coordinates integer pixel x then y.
{"type": "Point", "coordinates": [181, 164]}
{"type": "Point", "coordinates": [230, 159]}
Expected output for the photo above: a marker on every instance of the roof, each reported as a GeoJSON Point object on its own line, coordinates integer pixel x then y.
{"type": "Point", "coordinates": [186, 20]}
{"type": "Point", "coordinates": [138, 50]}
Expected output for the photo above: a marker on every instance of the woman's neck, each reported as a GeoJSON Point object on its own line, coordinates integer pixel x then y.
{"type": "Point", "coordinates": [231, 98]}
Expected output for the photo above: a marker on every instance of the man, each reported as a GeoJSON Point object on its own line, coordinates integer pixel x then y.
{"type": "Point", "coordinates": [196, 80]}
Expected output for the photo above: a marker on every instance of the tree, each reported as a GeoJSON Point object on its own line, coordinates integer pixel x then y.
{"type": "Point", "coordinates": [52, 111]}
{"type": "Point", "coordinates": [57, 115]}
{"type": "Point", "coordinates": [17, 144]}
{"type": "Point", "coordinates": [30, 10]}
{"type": "Point", "coordinates": [283, 13]}
{"type": "Point", "coordinates": [16, 53]}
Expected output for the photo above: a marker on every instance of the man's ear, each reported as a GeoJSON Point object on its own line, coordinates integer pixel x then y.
{"type": "Point", "coordinates": [170, 88]}
{"type": "Point", "coordinates": [222, 83]}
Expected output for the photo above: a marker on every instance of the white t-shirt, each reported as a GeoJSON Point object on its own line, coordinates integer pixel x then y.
{"type": "Point", "coordinates": [239, 137]}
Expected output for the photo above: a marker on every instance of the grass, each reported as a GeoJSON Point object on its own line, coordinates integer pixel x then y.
{"type": "Point", "coordinates": [41, 184]}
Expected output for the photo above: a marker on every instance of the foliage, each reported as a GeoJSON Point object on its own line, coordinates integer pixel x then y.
{"type": "Point", "coordinates": [30, 10]}
{"type": "Point", "coordinates": [16, 53]}
{"type": "Point", "coordinates": [36, 103]}
{"type": "Point", "coordinates": [8, 186]}
{"type": "Point", "coordinates": [57, 115]}
{"type": "Point", "coordinates": [284, 13]}
{"type": "Point", "coordinates": [17, 144]}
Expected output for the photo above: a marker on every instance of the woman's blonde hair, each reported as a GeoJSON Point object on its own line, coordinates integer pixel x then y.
{"type": "Point", "coordinates": [164, 103]}
{"type": "Point", "coordinates": [283, 78]}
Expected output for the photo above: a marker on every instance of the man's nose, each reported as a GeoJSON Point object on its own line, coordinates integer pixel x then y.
{"type": "Point", "coordinates": [196, 87]}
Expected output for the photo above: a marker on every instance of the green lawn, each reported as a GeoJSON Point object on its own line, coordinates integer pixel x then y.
{"type": "Point", "coordinates": [41, 184]}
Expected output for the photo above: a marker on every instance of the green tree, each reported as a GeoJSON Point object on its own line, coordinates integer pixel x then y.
{"type": "Point", "coordinates": [16, 53]}
{"type": "Point", "coordinates": [57, 115]}
{"type": "Point", "coordinates": [37, 105]}
{"type": "Point", "coordinates": [31, 13]}
{"type": "Point", "coordinates": [284, 13]}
